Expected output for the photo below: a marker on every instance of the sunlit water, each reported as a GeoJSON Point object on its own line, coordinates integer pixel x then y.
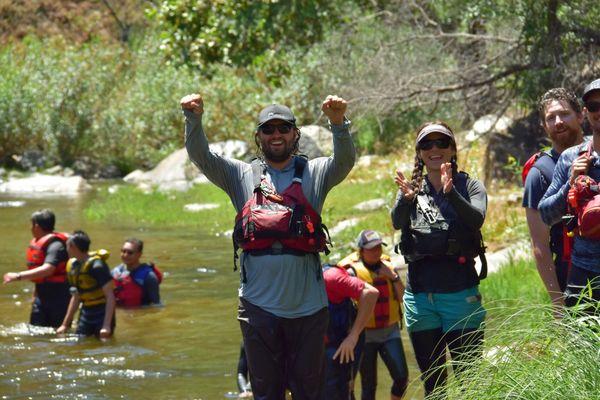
{"type": "Point", "coordinates": [187, 349]}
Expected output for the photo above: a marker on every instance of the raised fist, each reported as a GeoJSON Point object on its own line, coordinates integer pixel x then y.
{"type": "Point", "coordinates": [334, 108]}
{"type": "Point", "coordinates": [192, 102]}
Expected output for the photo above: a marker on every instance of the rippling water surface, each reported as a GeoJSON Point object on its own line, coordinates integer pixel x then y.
{"type": "Point", "coordinates": [187, 349]}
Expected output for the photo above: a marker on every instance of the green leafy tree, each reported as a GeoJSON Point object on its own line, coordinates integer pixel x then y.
{"type": "Point", "coordinates": [198, 32]}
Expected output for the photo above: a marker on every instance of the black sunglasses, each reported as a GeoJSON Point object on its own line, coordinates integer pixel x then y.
{"type": "Point", "coordinates": [442, 143]}
{"type": "Point", "coordinates": [593, 106]}
{"type": "Point", "coordinates": [268, 129]}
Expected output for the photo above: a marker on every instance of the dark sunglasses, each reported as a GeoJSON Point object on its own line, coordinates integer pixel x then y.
{"type": "Point", "coordinates": [270, 129]}
{"type": "Point", "coordinates": [593, 106]}
{"type": "Point", "coordinates": [127, 251]}
{"type": "Point", "coordinates": [442, 143]}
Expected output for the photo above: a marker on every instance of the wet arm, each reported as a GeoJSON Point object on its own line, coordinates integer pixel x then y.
{"type": "Point", "coordinates": [40, 272]}
{"type": "Point", "coordinates": [109, 310]}
{"type": "Point", "coordinates": [71, 310]}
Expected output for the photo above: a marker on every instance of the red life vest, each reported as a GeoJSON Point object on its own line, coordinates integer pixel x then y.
{"type": "Point", "coordinates": [288, 217]}
{"type": "Point", "coordinates": [584, 202]}
{"type": "Point", "coordinates": [36, 253]}
{"type": "Point", "coordinates": [129, 286]}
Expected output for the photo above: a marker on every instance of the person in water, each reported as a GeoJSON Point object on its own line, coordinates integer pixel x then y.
{"type": "Point", "coordinates": [283, 304]}
{"type": "Point", "coordinates": [136, 283]}
{"type": "Point", "coordinates": [382, 332]}
{"type": "Point", "coordinates": [46, 262]}
{"type": "Point", "coordinates": [91, 284]}
{"type": "Point", "coordinates": [440, 215]}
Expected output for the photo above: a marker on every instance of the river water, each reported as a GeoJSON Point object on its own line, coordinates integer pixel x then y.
{"type": "Point", "coordinates": [187, 349]}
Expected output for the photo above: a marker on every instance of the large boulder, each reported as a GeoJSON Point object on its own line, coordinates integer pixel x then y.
{"type": "Point", "coordinates": [176, 172]}
{"type": "Point", "coordinates": [315, 141]}
{"type": "Point", "coordinates": [523, 137]}
{"type": "Point", "coordinates": [45, 184]}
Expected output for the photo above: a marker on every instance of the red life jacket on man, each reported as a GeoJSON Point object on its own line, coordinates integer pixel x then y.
{"type": "Point", "coordinates": [36, 253]}
{"type": "Point", "coordinates": [288, 217]}
{"type": "Point", "coordinates": [129, 286]}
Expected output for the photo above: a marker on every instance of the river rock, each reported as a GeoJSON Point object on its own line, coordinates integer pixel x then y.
{"type": "Point", "coordinates": [49, 184]}
{"type": "Point", "coordinates": [315, 141]}
{"type": "Point", "coordinates": [12, 204]}
{"type": "Point", "coordinates": [56, 170]}
{"type": "Point", "coordinates": [349, 223]}
{"type": "Point", "coordinates": [176, 172]}
{"type": "Point", "coordinates": [195, 207]}
{"type": "Point", "coordinates": [488, 124]}
{"type": "Point", "coordinates": [370, 205]}
{"type": "Point", "coordinates": [524, 137]}
{"type": "Point", "coordinates": [237, 149]}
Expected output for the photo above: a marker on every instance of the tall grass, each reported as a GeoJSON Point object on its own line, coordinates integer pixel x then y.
{"type": "Point", "coordinates": [532, 356]}
{"type": "Point", "coordinates": [528, 354]}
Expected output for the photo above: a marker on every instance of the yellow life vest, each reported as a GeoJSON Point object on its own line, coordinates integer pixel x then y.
{"type": "Point", "coordinates": [387, 309]}
{"type": "Point", "coordinates": [90, 292]}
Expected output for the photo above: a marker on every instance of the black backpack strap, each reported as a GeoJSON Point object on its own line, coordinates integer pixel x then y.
{"type": "Point", "coordinates": [300, 164]}
{"type": "Point", "coordinates": [545, 164]}
{"type": "Point", "coordinates": [484, 266]}
{"type": "Point", "coordinates": [257, 172]}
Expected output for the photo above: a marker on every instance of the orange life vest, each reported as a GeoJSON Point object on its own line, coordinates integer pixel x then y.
{"type": "Point", "coordinates": [387, 309]}
{"type": "Point", "coordinates": [36, 253]}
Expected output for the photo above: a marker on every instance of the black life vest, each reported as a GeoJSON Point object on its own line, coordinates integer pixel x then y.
{"type": "Point", "coordinates": [287, 217]}
{"type": "Point", "coordinates": [430, 235]}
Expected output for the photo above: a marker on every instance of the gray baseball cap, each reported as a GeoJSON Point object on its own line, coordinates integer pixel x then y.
{"type": "Point", "coordinates": [594, 85]}
{"type": "Point", "coordinates": [368, 239]}
{"type": "Point", "coordinates": [276, 111]}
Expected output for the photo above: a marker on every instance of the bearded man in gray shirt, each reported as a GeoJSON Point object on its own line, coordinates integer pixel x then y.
{"type": "Point", "coordinates": [283, 303]}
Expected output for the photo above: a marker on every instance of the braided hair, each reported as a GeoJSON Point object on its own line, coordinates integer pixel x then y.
{"type": "Point", "coordinates": [417, 174]}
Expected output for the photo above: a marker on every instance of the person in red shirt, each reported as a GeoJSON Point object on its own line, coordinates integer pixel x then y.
{"type": "Point", "coordinates": [346, 323]}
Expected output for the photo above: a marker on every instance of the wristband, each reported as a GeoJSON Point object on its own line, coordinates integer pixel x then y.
{"type": "Point", "coordinates": [18, 276]}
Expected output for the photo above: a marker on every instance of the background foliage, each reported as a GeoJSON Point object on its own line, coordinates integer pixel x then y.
{"type": "Point", "coordinates": [102, 79]}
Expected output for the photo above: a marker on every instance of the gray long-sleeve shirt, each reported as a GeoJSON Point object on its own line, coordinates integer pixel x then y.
{"type": "Point", "coordinates": [285, 285]}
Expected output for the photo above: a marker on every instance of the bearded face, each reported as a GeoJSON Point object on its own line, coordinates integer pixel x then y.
{"type": "Point", "coordinates": [562, 124]}
{"type": "Point", "coordinates": [277, 140]}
